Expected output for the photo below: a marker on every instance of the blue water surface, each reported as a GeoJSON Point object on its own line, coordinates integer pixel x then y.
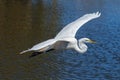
{"type": "Point", "coordinates": [102, 60]}
{"type": "Point", "coordinates": [24, 24]}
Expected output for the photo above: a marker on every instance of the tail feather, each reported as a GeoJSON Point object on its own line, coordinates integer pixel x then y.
{"type": "Point", "coordinates": [25, 51]}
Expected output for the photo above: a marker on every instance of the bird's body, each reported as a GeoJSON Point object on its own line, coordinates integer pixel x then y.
{"type": "Point", "coordinates": [65, 39]}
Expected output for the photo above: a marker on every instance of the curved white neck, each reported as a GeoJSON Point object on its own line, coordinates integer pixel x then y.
{"type": "Point", "coordinates": [78, 45]}
{"type": "Point", "coordinates": [81, 47]}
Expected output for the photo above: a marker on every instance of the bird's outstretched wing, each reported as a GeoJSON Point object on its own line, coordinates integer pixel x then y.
{"type": "Point", "coordinates": [43, 46]}
{"type": "Point", "coordinates": [71, 29]}
{"type": "Point", "coordinates": [48, 45]}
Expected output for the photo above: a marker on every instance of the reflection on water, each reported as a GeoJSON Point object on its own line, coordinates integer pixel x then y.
{"type": "Point", "coordinates": [24, 23]}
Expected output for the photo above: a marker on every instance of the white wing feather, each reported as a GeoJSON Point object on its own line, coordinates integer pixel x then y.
{"type": "Point", "coordinates": [71, 29]}
{"type": "Point", "coordinates": [41, 45]}
{"type": "Point", "coordinates": [48, 44]}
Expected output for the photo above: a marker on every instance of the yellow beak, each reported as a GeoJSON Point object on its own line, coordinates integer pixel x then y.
{"type": "Point", "coordinates": [92, 41]}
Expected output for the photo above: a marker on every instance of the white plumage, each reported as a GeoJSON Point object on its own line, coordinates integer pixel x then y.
{"type": "Point", "coordinates": [67, 34]}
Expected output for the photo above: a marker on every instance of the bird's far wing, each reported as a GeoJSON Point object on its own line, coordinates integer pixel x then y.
{"type": "Point", "coordinates": [41, 46]}
{"type": "Point", "coordinates": [53, 45]}
{"type": "Point", "coordinates": [44, 44]}
{"type": "Point", "coordinates": [71, 29]}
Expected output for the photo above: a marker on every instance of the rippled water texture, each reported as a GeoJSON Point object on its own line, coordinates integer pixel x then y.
{"type": "Point", "coordinates": [24, 23]}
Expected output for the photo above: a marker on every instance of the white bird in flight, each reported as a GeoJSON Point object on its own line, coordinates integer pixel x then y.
{"type": "Point", "coordinates": [65, 39]}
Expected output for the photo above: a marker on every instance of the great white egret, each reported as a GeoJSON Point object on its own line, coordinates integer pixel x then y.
{"type": "Point", "coordinates": [65, 39]}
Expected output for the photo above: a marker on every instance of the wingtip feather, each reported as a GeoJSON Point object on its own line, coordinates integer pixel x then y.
{"type": "Point", "coordinates": [93, 15]}
{"type": "Point", "coordinates": [98, 13]}
{"type": "Point", "coordinates": [24, 51]}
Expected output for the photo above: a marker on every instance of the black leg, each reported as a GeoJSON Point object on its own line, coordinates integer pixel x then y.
{"type": "Point", "coordinates": [35, 54]}
{"type": "Point", "coordinates": [50, 50]}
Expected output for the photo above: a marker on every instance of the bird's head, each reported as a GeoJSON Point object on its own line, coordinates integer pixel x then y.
{"type": "Point", "coordinates": [86, 40]}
